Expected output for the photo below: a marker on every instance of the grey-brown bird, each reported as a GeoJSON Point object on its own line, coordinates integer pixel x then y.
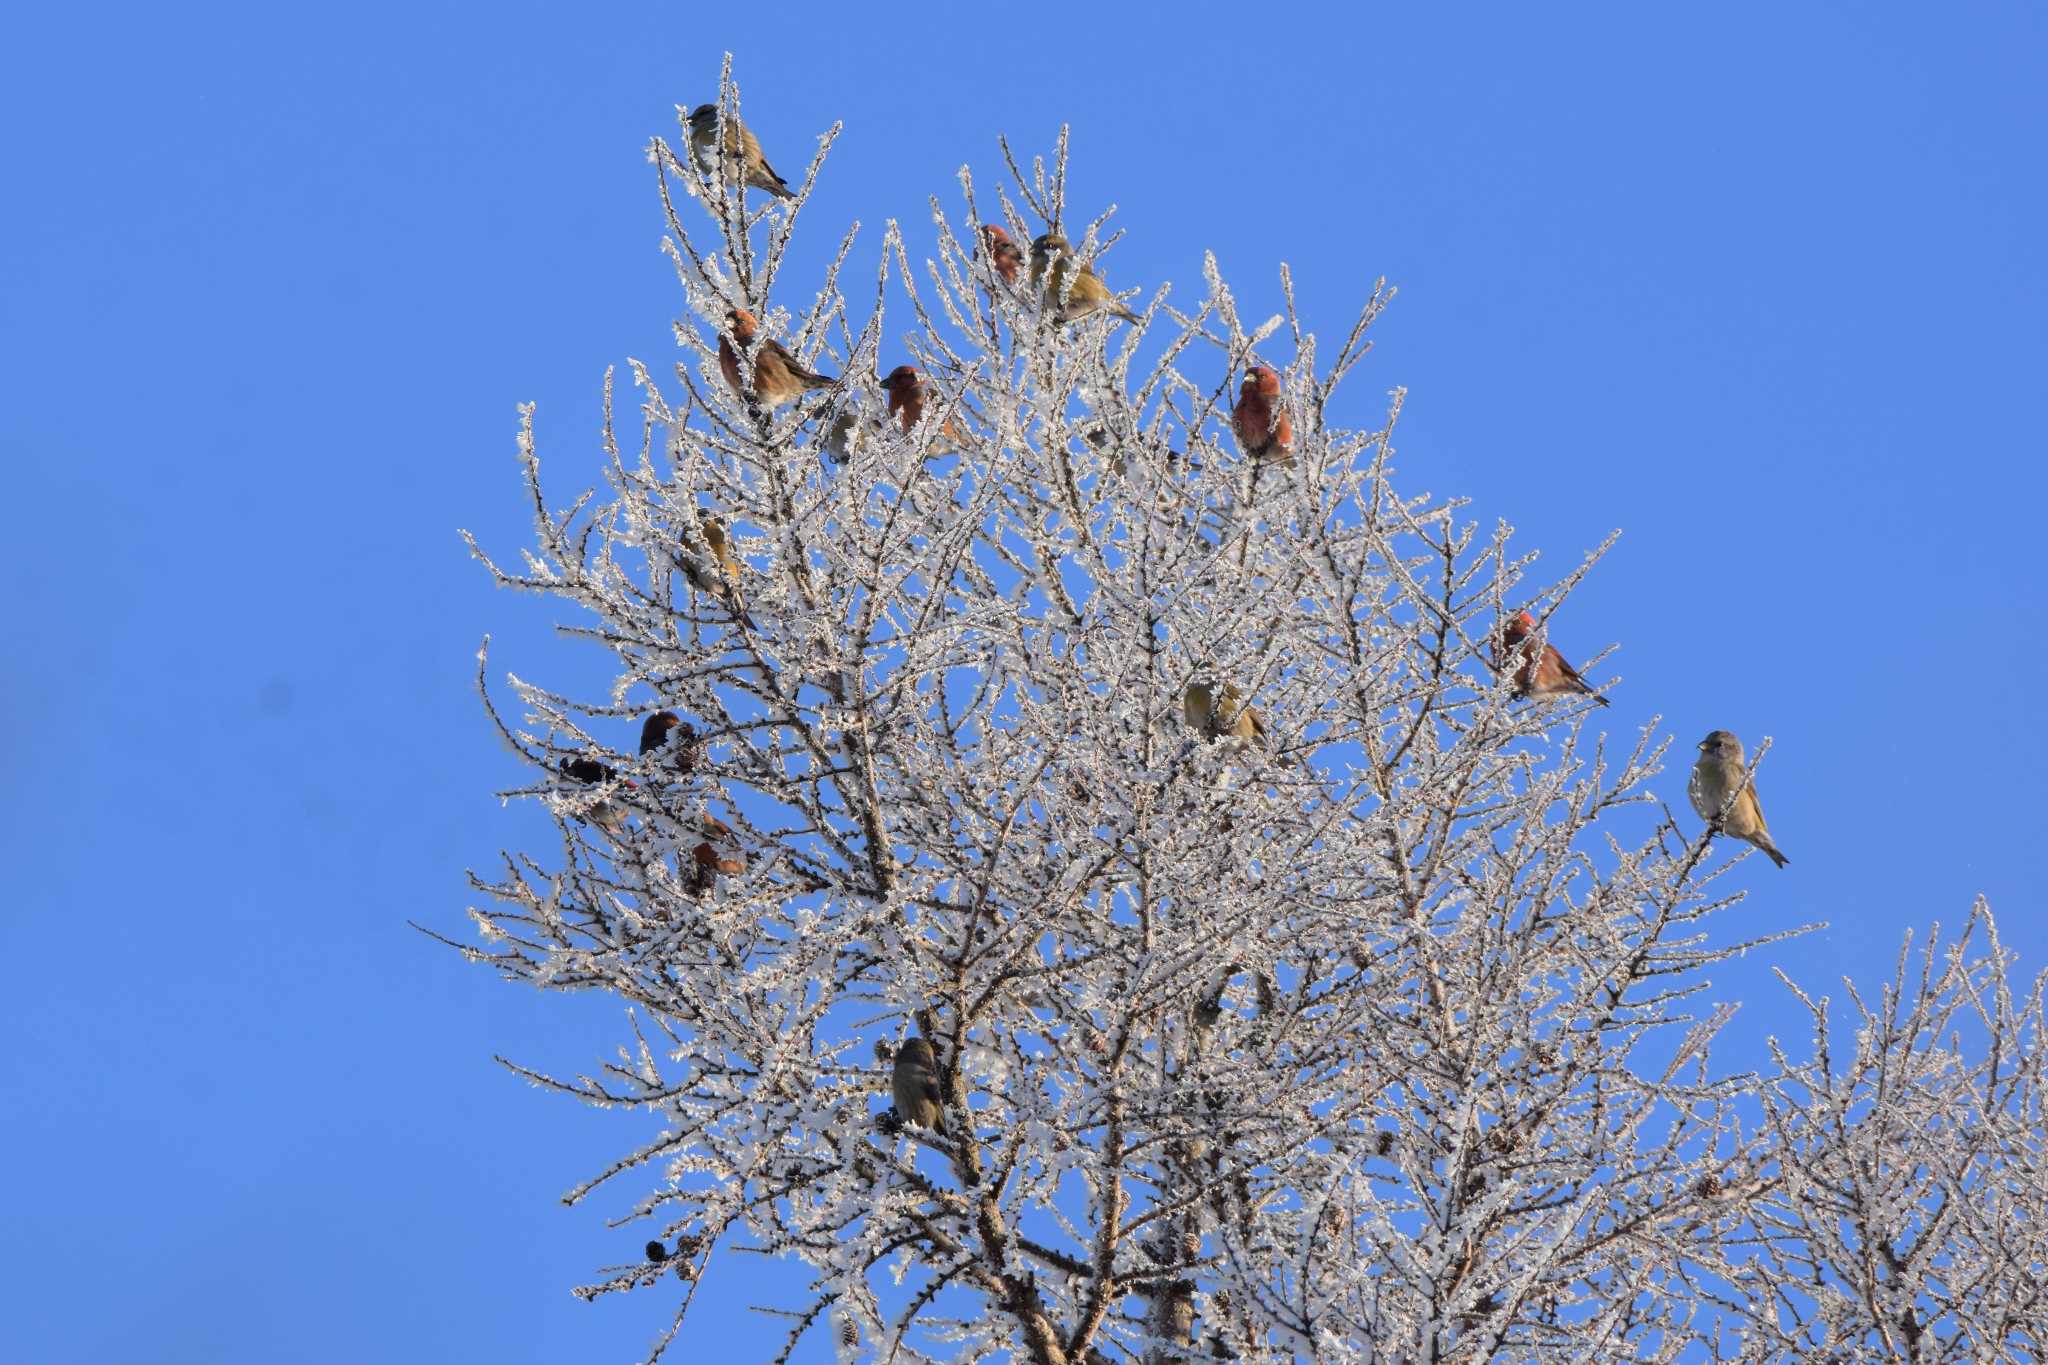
{"type": "Point", "coordinates": [778, 376]}
{"type": "Point", "coordinates": [1715, 777]}
{"type": "Point", "coordinates": [915, 1085]}
{"type": "Point", "coordinates": [1219, 712]}
{"type": "Point", "coordinates": [740, 146]}
{"type": "Point", "coordinates": [1052, 261]}
{"type": "Point", "coordinates": [1538, 673]}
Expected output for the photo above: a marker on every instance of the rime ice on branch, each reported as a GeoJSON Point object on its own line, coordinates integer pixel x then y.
{"type": "Point", "coordinates": [1356, 1017]}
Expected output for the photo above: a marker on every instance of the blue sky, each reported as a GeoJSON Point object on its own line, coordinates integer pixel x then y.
{"type": "Point", "coordinates": [1760, 285]}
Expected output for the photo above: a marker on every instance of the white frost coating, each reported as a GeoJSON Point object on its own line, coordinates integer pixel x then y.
{"type": "Point", "coordinates": [1384, 1037]}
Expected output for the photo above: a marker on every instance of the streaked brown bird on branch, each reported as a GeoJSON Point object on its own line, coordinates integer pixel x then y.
{"type": "Point", "coordinates": [778, 376]}
{"type": "Point", "coordinates": [1264, 430]}
{"type": "Point", "coordinates": [915, 1085]}
{"type": "Point", "coordinates": [907, 392]}
{"type": "Point", "coordinates": [740, 146]}
{"type": "Point", "coordinates": [1006, 255]}
{"type": "Point", "coordinates": [719, 579]}
{"type": "Point", "coordinates": [1219, 712]}
{"type": "Point", "coordinates": [1715, 777]}
{"type": "Point", "coordinates": [1052, 261]}
{"type": "Point", "coordinates": [1537, 673]}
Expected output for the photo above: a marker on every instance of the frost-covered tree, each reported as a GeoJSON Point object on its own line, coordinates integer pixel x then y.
{"type": "Point", "coordinates": [1294, 989]}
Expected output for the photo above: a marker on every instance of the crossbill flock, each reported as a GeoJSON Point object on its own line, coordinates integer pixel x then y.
{"type": "Point", "coordinates": [765, 373]}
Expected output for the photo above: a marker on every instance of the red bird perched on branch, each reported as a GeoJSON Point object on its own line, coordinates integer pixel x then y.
{"type": "Point", "coordinates": [1539, 675]}
{"type": "Point", "coordinates": [906, 390]}
{"type": "Point", "coordinates": [718, 853]}
{"type": "Point", "coordinates": [1264, 430]}
{"type": "Point", "coordinates": [1007, 255]}
{"type": "Point", "coordinates": [778, 377]}
{"type": "Point", "coordinates": [657, 730]}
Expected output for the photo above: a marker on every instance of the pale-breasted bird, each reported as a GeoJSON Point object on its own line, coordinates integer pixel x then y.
{"type": "Point", "coordinates": [740, 146]}
{"type": "Point", "coordinates": [1715, 777]}
{"type": "Point", "coordinates": [1537, 674]}
{"type": "Point", "coordinates": [1264, 429]}
{"type": "Point", "coordinates": [1218, 712]}
{"type": "Point", "coordinates": [1052, 260]}
{"type": "Point", "coordinates": [778, 376]}
{"type": "Point", "coordinates": [1005, 253]}
{"type": "Point", "coordinates": [906, 390]}
{"type": "Point", "coordinates": [915, 1085]}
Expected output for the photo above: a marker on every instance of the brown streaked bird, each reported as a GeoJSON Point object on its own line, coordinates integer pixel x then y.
{"type": "Point", "coordinates": [778, 376]}
{"type": "Point", "coordinates": [1264, 430]}
{"type": "Point", "coordinates": [914, 1084]}
{"type": "Point", "coordinates": [724, 583]}
{"type": "Point", "coordinates": [1220, 712]}
{"type": "Point", "coordinates": [1005, 253]}
{"type": "Point", "coordinates": [906, 389]}
{"type": "Point", "coordinates": [1715, 777]}
{"type": "Point", "coordinates": [740, 146]}
{"type": "Point", "coordinates": [1539, 674]}
{"type": "Point", "coordinates": [1053, 260]}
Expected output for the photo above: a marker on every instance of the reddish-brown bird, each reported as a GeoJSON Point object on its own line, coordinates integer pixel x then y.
{"type": "Point", "coordinates": [778, 377]}
{"type": "Point", "coordinates": [906, 390]}
{"type": "Point", "coordinates": [658, 730]}
{"type": "Point", "coordinates": [1264, 429]}
{"type": "Point", "coordinates": [1007, 255]}
{"type": "Point", "coordinates": [1539, 675]}
{"type": "Point", "coordinates": [718, 853]}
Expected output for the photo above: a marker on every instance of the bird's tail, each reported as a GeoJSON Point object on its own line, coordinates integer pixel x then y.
{"type": "Point", "coordinates": [1772, 849]}
{"type": "Point", "coordinates": [1123, 311]}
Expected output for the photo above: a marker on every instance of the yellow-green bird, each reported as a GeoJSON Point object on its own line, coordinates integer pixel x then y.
{"type": "Point", "coordinates": [1220, 712]}
{"type": "Point", "coordinates": [739, 144]}
{"type": "Point", "coordinates": [1718, 773]}
{"type": "Point", "coordinates": [1052, 260]}
{"type": "Point", "coordinates": [724, 584]}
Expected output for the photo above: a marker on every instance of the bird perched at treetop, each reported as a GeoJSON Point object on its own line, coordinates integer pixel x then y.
{"type": "Point", "coordinates": [1052, 261]}
{"type": "Point", "coordinates": [1715, 777]}
{"type": "Point", "coordinates": [1537, 673]}
{"type": "Point", "coordinates": [740, 146]}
